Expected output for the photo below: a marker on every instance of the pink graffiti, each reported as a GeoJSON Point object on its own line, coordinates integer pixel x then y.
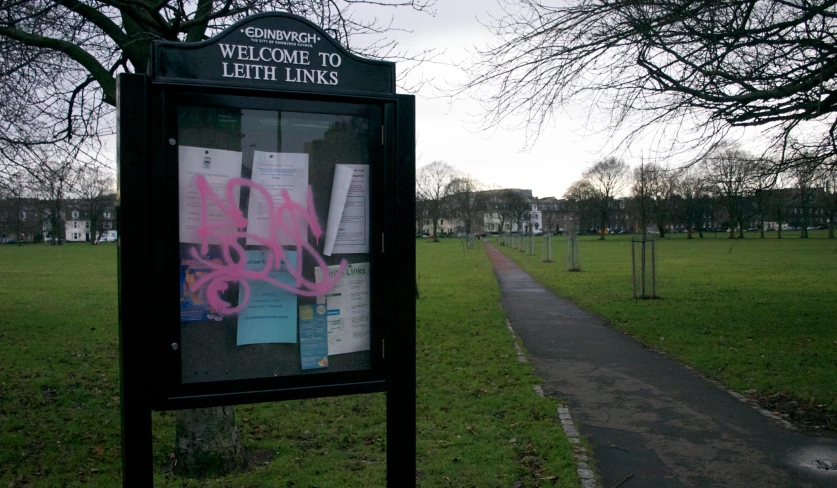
{"type": "Point", "coordinates": [283, 219]}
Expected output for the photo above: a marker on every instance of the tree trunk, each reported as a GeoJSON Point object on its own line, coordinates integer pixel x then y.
{"type": "Point", "coordinates": [435, 230]}
{"type": "Point", "coordinates": [207, 442]}
{"type": "Point", "coordinates": [779, 224]}
{"type": "Point", "coordinates": [662, 229]}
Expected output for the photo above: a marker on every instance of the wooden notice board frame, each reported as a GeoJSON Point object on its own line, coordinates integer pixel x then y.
{"type": "Point", "coordinates": [329, 108]}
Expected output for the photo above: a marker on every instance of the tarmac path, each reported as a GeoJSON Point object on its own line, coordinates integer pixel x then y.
{"type": "Point", "coordinates": [652, 421]}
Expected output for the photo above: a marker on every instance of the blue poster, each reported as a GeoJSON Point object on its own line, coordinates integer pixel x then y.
{"type": "Point", "coordinates": [270, 315]}
{"type": "Point", "coordinates": [194, 306]}
{"type": "Point", "coordinates": [313, 336]}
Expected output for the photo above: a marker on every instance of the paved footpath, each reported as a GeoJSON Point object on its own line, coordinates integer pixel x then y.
{"type": "Point", "coordinates": [653, 422]}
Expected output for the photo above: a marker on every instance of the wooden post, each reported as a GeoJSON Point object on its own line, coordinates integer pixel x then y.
{"type": "Point", "coordinates": [549, 248]}
{"type": "Point", "coordinates": [633, 265]}
{"type": "Point", "coordinates": [653, 270]}
{"type": "Point", "coordinates": [642, 270]}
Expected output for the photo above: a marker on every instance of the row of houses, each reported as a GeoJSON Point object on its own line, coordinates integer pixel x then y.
{"type": "Point", "coordinates": [549, 214]}
{"type": "Point", "coordinates": [30, 220]}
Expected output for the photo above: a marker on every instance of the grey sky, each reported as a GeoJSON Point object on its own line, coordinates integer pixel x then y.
{"type": "Point", "coordinates": [448, 131]}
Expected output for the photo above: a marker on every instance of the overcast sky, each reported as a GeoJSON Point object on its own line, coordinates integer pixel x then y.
{"type": "Point", "coordinates": [447, 131]}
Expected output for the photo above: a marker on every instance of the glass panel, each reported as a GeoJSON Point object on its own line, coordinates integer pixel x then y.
{"type": "Point", "coordinates": [274, 217]}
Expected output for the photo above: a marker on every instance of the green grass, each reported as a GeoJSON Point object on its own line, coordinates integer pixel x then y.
{"type": "Point", "coordinates": [479, 421]}
{"type": "Point", "coordinates": [755, 314]}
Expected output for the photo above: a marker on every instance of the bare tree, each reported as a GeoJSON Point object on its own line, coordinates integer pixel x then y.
{"type": "Point", "coordinates": [433, 184]}
{"type": "Point", "coordinates": [53, 179]}
{"type": "Point", "coordinates": [517, 207]}
{"type": "Point", "coordinates": [607, 179]}
{"type": "Point", "coordinates": [805, 177]}
{"type": "Point", "coordinates": [762, 191]}
{"type": "Point", "coordinates": [663, 186]}
{"type": "Point", "coordinates": [13, 214]}
{"type": "Point", "coordinates": [61, 57]}
{"type": "Point", "coordinates": [694, 193]}
{"type": "Point", "coordinates": [508, 209]}
{"type": "Point", "coordinates": [466, 199]}
{"type": "Point", "coordinates": [780, 200]}
{"type": "Point", "coordinates": [705, 66]}
{"type": "Point", "coordinates": [579, 197]}
{"type": "Point", "coordinates": [496, 207]}
{"type": "Point", "coordinates": [729, 172]}
{"type": "Point", "coordinates": [95, 186]}
{"type": "Point", "coordinates": [829, 179]}
{"type": "Point", "coordinates": [641, 200]}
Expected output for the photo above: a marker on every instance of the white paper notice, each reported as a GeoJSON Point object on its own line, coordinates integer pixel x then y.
{"type": "Point", "coordinates": [347, 230]}
{"type": "Point", "coordinates": [217, 166]}
{"type": "Point", "coordinates": [348, 309]}
{"type": "Point", "coordinates": [277, 173]}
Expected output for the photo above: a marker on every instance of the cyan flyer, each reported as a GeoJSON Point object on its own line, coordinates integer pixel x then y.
{"type": "Point", "coordinates": [271, 314]}
{"type": "Point", "coordinates": [313, 336]}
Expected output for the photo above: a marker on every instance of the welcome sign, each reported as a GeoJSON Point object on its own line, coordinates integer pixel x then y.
{"type": "Point", "coordinates": [272, 51]}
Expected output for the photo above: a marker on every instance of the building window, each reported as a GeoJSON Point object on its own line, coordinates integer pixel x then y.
{"type": "Point", "coordinates": [75, 236]}
{"type": "Point", "coordinates": [23, 215]}
{"type": "Point", "coordinates": [107, 214]}
{"type": "Point", "coordinates": [108, 225]}
{"type": "Point", "coordinates": [75, 225]}
{"type": "Point", "coordinates": [87, 225]}
{"type": "Point", "coordinates": [75, 214]}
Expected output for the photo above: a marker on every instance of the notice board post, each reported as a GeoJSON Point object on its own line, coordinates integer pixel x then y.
{"type": "Point", "coordinates": [266, 249]}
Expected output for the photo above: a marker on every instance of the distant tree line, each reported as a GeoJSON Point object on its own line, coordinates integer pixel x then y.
{"type": "Point", "coordinates": [36, 194]}
{"type": "Point", "coordinates": [729, 190]}
{"type": "Point", "coordinates": [442, 192]}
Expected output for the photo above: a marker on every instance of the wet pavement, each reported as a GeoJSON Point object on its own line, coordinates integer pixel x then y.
{"type": "Point", "coordinates": [652, 421]}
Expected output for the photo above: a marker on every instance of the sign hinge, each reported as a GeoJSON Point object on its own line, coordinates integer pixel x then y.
{"type": "Point", "coordinates": [382, 135]}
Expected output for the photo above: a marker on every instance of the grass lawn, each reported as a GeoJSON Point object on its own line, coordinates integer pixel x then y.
{"type": "Point", "coordinates": [479, 421]}
{"type": "Point", "coordinates": [755, 314]}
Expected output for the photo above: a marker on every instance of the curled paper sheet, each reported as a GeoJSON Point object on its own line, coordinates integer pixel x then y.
{"type": "Point", "coordinates": [347, 229]}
